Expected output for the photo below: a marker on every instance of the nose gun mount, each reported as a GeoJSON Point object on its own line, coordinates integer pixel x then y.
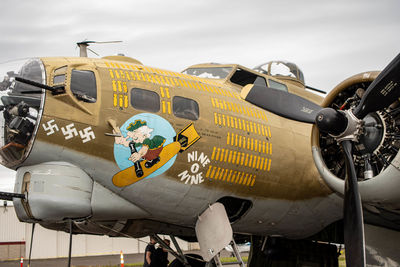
{"type": "Point", "coordinates": [22, 100]}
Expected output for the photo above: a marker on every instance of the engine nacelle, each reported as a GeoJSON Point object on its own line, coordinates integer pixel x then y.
{"type": "Point", "coordinates": [58, 191]}
{"type": "Point", "coordinates": [377, 157]}
{"type": "Point", "coordinates": [54, 191]}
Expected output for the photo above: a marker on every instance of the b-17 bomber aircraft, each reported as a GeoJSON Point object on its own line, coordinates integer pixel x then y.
{"type": "Point", "coordinates": [218, 154]}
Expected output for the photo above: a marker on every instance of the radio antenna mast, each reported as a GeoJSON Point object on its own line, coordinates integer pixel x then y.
{"type": "Point", "coordinates": [83, 47]}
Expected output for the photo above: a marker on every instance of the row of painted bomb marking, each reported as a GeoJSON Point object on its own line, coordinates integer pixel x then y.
{"type": "Point", "coordinates": [120, 100]}
{"type": "Point", "coordinates": [166, 94]}
{"type": "Point", "coordinates": [165, 104]}
{"type": "Point", "coordinates": [166, 107]}
{"type": "Point", "coordinates": [249, 143]}
{"type": "Point", "coordinates": [120, 97]}
{"type": "Point", "coordinates": [238, 108]}
{"type": "Point", "coordinates": [142, 68]}
{"type": "Point", "coordinates": [230, 176]}
{"type": "Point", "coordinates": [172, 79]}
{"type": "Point", "coordinates": [242, 124]}
{"type": "Point", "coordinates": [241, 158]}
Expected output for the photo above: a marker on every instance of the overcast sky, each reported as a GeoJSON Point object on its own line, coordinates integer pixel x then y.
{"type": "Point", "coordinates": [328, 40]}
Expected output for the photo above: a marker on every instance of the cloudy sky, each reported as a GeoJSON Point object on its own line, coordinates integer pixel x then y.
{"type": "Point", "coordinates": [328, 40]}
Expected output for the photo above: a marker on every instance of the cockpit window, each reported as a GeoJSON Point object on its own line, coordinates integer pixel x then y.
{"type": "Point", "coordinates": [276, 85]}
{"type": "Point", "coordinates": [210, 73]}
{"type": "Point", "coordinates": [243, 77]}
{"type": "Point", "coordinates": [83, 85]}
{"type": "Point", "coordinates": [59, 75]}
{"type": "Point", "coordinates": [278, 68]}
{"type": "Point", "coordinates": [59, 79]}
{"type": "Point", "coordinates": [281, 68]}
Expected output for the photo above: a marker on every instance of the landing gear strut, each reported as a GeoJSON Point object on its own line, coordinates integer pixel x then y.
{"type": "Point", "coordinates": [178, 255]}
{"type": "Point", "coordinates": [70, 243]}
{"type": "Point", "coordinates": [30, 247]}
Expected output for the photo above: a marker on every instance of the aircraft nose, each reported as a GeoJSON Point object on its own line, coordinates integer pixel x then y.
{"type": "Point", "coordinates": [20, 108]}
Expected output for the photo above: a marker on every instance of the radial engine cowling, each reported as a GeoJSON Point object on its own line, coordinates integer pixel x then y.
{"type": "Point", "coordinates": [377, 157]}
{"type": "Point", "coordinates": [53, 191]}
{"type": "Point", "coordinates": [58, 191]}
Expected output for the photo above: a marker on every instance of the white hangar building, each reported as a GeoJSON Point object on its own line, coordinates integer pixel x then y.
{"type": "Point", "coordinates": [15, 239]}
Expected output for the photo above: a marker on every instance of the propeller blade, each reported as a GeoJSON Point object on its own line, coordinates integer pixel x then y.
{"type": "Point", "coordinates": [353, 217]}
{"type": "Point", "coordinates": [382, 92]}
{"type": "Point", "coordinates": [281, 103]}
{"type": "Point", "coordinates": [331, 121]}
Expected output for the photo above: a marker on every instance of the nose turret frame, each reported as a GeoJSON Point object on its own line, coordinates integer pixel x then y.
{"type": "Point", "coordinates": [21, 110]}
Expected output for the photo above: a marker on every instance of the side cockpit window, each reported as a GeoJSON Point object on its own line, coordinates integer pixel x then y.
{"type": "Point", "coordinates": [83, 85]}
{"type": "Point", "coordinates": [185, 108]}
{"type": "Point", "coordinates": [145, 100]}
{"type": "Point", "coordinates": [276, 85]}
{"type": "Point", "coordinates": [59, 79]}
{"type": "Point", "coordinates": [243, 77]}
{"type": "Point", "coordinates": [59, 75]}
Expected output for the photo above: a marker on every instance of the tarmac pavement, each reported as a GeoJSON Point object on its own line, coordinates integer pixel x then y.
{"type": "Point", "coordinates": [103, 260]}
{"type": "Point", "coordinates": [94, 261]}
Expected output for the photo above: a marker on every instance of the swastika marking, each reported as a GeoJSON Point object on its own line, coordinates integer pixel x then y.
{"type": "Point", "coordinates": [69, 131]}
{"type": "Point", "coordinates": [87, 134]}
{"type": "Point", "coordinates": [50, 127]}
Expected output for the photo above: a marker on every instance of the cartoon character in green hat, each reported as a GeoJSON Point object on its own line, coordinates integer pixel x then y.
{"type": "Point", "coordinates": [150, 148]}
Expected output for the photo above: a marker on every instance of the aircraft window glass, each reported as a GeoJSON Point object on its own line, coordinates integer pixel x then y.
{"type": "Point", "coordinates": [262, 68]}
{"type": "Point", "coordinates": [210, 73]}
{"type": "Point", "coordinates": [59, 79]}
{"type": "Point", "coordinates": [61, 70]}
{"type": "Point", "coordinates": [281, 69]}
{"type": "Point", "coordinates": [260, 81]}
{"type": "Point", "coordinates": [242, 77]}
{"type": "Point", "coordinates": [301, 76]}
{"type": "Point", "coordinates": [276, 85]}
{"type": "Point", "coordinates": [185, 108]}
{"type": "Point", "coordinates": [83, 85]}
{"type": "Point", "coordinates": [145, 100]}
{"type": "Point", "coordinates": [31, 70]}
